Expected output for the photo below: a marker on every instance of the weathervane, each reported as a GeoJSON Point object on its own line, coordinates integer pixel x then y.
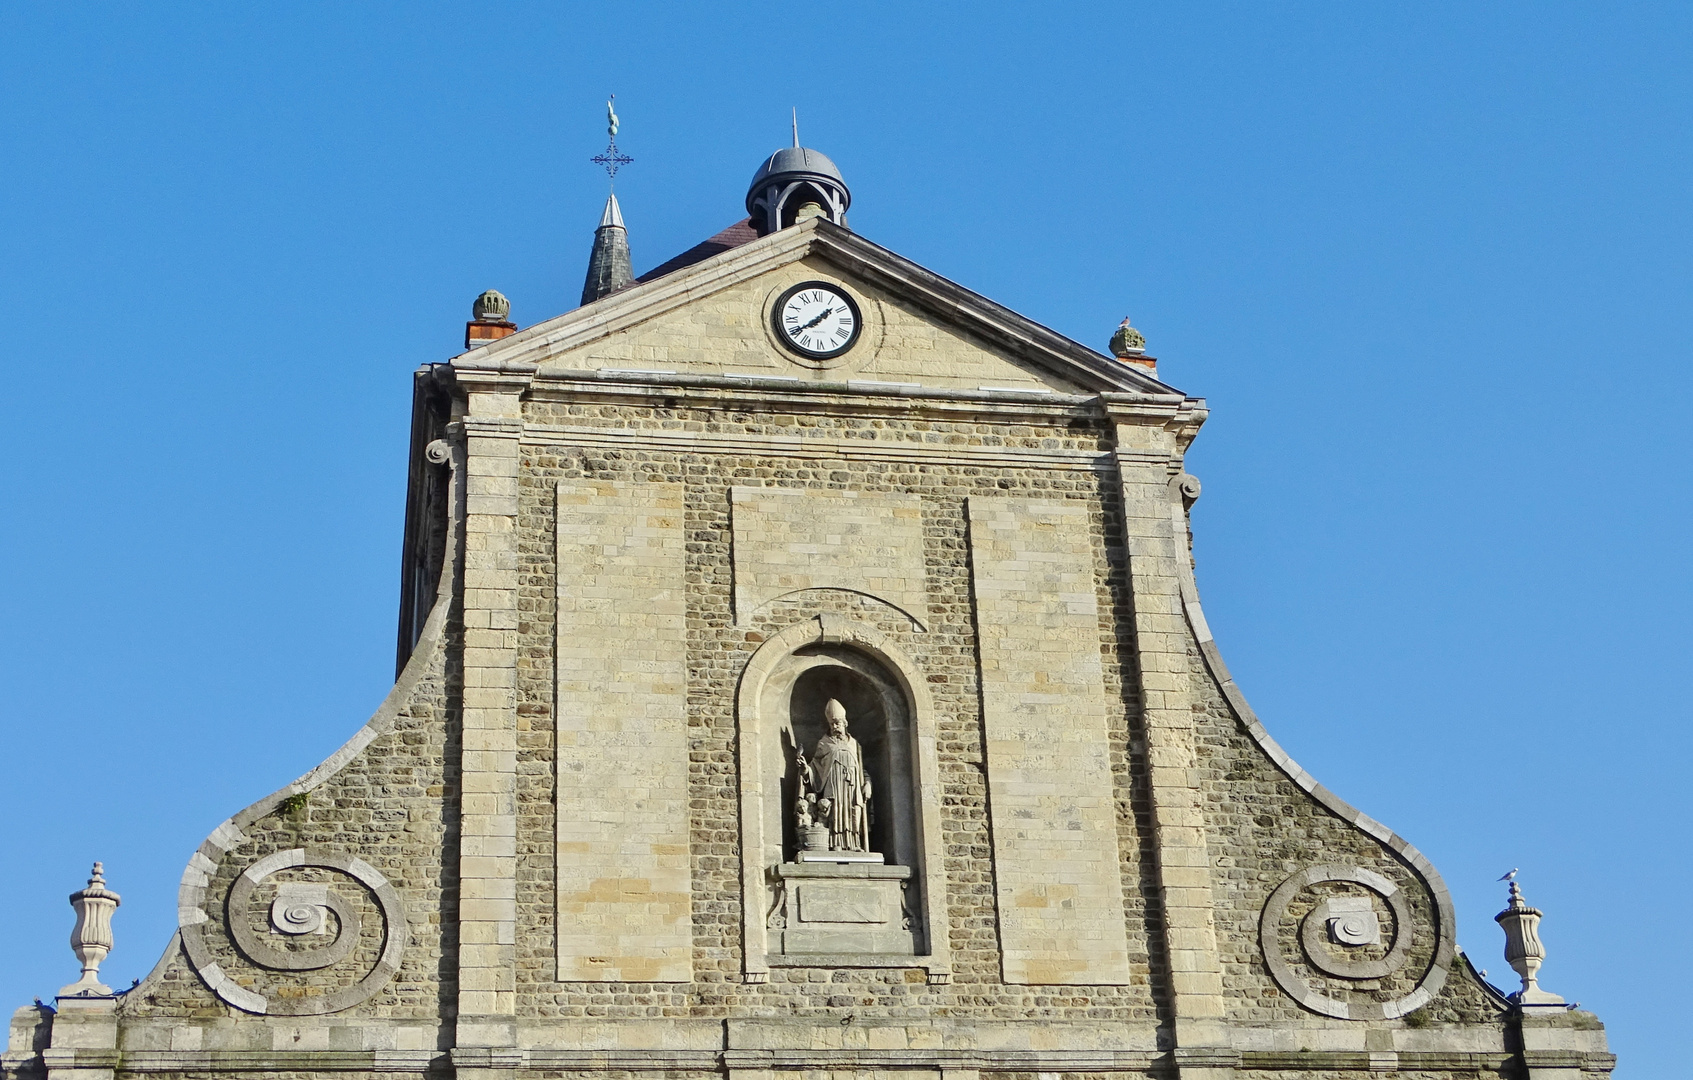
{"type": "Point", "coordinates": [613, 158]}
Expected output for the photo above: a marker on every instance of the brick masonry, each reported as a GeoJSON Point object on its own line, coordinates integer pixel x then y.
{"type": "Point", "coordinates": [719, 649]}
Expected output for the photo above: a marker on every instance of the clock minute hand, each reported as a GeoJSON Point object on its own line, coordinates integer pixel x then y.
{"type": "Point", "coordinates": [826, 313]}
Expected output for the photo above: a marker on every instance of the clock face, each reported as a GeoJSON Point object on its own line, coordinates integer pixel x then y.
{"type": "Point", "coordinates": [816, 319]}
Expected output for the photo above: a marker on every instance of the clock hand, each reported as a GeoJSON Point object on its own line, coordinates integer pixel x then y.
{"type": "Point", "coordinates": [826, 313]}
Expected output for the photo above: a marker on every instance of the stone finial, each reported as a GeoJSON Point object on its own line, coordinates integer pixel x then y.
{"type": "Point", "coordinates": [1129, 346]}
{"type": "Point", "coordinates": [1523, 950]}
{"type": "Point", "coordinates": [1127, 342]}
{"type": "Point", "coordinates": [489, 320]}
{"type": "Point", "coordinates": [491, 306]}
{"type": "Point", "coordinates": [91, 940]}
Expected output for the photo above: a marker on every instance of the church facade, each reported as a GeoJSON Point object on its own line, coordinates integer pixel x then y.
{"type": "Point", "coordinates": [801, 671]}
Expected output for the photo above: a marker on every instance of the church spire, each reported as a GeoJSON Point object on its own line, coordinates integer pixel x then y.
{"type": "Point", "coordinates": [609, 268]}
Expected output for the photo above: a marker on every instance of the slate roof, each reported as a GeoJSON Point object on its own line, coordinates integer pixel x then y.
{"type": "Point", "coordinates": [741, 232]}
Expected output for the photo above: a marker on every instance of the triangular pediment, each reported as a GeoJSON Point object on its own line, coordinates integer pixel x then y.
{"type": "Point", "coordinates": [713, 318]}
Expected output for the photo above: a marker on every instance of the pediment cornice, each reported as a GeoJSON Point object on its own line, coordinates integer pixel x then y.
{"type": "Point", "coordinates": [947, 302]}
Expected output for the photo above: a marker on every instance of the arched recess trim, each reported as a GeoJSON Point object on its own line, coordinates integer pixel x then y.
{"type": "Point", "coordinates": [859, 596]}
{"type": "Point", "coordinates": [828, 629]}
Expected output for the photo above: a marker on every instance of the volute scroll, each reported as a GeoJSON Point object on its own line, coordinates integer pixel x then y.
{"type": "Point", "coordinates": [295, 913]}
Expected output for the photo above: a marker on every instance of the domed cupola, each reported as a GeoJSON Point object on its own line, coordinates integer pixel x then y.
{"type": "Point", "coordinates": [791, 178]}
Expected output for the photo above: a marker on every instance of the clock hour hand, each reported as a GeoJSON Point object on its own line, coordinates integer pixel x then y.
{"type": "Point", "coordinates": [826, 313]}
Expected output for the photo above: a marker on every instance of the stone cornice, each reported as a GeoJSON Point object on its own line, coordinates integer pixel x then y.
{"type": "Point", "coordinates": [857, 397]}
{"type": "Point", "coordinates": [1303, 1062]}
{"type": "Point", "coordinates": [782, 446]}
{"type": "Point", "coordinates": [1182, 418]}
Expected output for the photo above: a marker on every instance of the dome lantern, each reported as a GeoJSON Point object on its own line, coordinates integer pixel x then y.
{"type": "Point", "coordinates": [788, 180]}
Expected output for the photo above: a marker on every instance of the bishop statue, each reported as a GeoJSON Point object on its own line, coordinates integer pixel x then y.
{"type": "Point", "coordinates": [836, 780]}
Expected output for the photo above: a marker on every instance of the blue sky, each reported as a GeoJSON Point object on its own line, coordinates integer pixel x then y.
{"type": "Point", "coordinates": [1430, 265]}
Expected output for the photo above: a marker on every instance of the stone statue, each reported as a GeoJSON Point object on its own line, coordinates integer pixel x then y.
{"type": "Point", "coordinates": [834, 785]}
{"type": "Point", "coordinates": [813, 836]}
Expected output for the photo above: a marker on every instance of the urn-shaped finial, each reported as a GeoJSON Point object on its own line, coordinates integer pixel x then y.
{"type": "Point", "coordinates": [91, 939]}
{"type": "Point", "coordinates": [491, 306]}
{"type": "Point", "coordinates": [1523, 950]}
{"type": "Point", "coordinates": [490, 320]}
{"type": "Point", "coordinates": [1127, 341]}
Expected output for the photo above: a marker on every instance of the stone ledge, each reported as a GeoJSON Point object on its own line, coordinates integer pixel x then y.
{"type": "Point", "coordinates": [849, 960]}
{"type": "Point", "coordinates": [846, 1034]}
{"type": "Point", "coordinates": [1363, 1059]}
{"type": "Point", "coordinates": [219, 1062]}
{"type": "Point", "coordinates": [222, 1062]}
{"type": "Point", "coordinates": [1069, 1061]}
{"type": "Point", "coordinates": [648, 439]}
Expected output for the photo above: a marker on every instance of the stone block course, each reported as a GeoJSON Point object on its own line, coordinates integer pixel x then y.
{"type": "Point", "coordinates": [1056, 861]}
{"type": "Point", "coordinates": [624, 876]}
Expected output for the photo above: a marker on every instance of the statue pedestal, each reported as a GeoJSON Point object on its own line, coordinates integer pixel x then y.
{"type": "Point", "coordinates": [846, 904]}
{"type": "Point", "coordinates": [874, 857]}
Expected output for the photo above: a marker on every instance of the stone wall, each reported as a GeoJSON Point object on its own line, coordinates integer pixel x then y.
{"type": "Point", "coordinates": [624, 890]}
{"type": "Point", "coordinates": [724, 330]}
{"type": "Point", "coordinates": [1051, 791]}
{"type": "Point", "coordinates": [719, 649]}
{"type": "Point", "coordinates": [392, 803]}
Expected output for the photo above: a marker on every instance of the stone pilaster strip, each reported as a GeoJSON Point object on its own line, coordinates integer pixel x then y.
{"type": "Point", "coordinates": [488, 808]}
{"type": "Point", "coordinates": [1162, 640]}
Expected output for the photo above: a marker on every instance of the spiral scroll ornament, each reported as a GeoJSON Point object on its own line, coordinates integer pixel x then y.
{"type": "Point", "coordinates": [1357, 933]}
{"type": "Point", "coordinates": [310, 926]}
{"type": "Point", "coordinates": [299, 909]}
{"type": "Point", "coordinates": [1188, 487]}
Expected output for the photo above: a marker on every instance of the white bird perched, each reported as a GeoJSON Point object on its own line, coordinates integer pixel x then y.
{"type": "Point", "coordinates": [611, 115]}
{"type": "Point", "coordinates": [1512, 876]}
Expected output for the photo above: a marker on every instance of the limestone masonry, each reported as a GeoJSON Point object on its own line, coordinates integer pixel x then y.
{"type": "Point", "coordinates": [802, 672]}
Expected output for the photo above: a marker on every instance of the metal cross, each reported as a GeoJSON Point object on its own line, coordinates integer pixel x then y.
{"type": "Point", "coordinates": [613, 158]}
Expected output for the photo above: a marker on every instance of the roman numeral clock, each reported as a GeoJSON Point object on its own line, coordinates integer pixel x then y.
{"type": "Point", "coordinates": [817, 320]}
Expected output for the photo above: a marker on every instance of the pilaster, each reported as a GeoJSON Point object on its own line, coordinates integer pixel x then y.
{"type": "Point", "coordinates": [487, 1005]}
{"type": "Point", "coordinates": [1156, 537]}
{"type": "Point", "coordinates": [84, 1041]}
{"type": "Point", "coordinates": [1558, 1042]}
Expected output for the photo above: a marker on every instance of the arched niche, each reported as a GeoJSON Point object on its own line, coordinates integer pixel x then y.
{"type": "Point", "coordinates": [878, 716]}
{"type": "Point", "coordinates": [780, 707]}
